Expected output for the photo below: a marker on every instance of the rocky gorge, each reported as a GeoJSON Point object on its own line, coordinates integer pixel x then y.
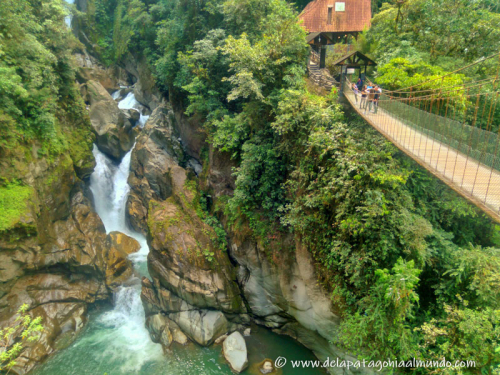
{"type": "Point", "coordinates": [64, 257]}
{"type": "Point", "coordinates": [208, 297]}
{"type": "Point", "coordinates": [64, 263]}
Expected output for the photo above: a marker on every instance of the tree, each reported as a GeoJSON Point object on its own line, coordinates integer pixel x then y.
{"type": "Point", "coordinates": [381, 329]}
{"type": "Point", "coordinates": [271, 62]}
{"type": "Point", "coordinates": [464, 334]}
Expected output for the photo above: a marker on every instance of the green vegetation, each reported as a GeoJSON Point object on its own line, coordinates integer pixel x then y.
{"type": "Point", "coordinates": [35, 68]}
{"type": "Point", "coordinates": [419, 40]}
{"type": "Point", "coordinates": [413, 267]}
{"type": "Point", "coordinates": [445, 33]}
{"type": "Point", "coordinates": [42, 114]}
{"type": "Point", "coordinates": [23, 330]}
{"type": "Point", "coordinates": [15, 204]}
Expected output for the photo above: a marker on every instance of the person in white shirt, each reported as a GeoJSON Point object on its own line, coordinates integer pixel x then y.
{"type": "Point", "coordinates": [356, 92]}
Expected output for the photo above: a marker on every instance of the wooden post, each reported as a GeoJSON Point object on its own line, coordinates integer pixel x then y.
{"type": "Point", "coordinates": [322, 58]}
{"type": "Point", "coordinates": [342, 79]}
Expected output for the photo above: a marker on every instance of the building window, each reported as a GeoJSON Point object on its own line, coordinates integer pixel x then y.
{"type": "Point", "coordinates": [330, 14]}
{"type": "Point", "coordinates": [340, 7]}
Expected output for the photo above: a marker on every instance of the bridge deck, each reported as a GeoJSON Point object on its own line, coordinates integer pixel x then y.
{"type": "Point", "coordinates": [474, 181]}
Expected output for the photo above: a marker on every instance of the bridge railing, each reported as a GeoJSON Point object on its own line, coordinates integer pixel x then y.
{"type": "Point", "coordinates": [472, 141]}
{"type": "Point", "coordinates": [459, 148]}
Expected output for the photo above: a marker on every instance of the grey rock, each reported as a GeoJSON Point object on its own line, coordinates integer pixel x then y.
{"type": "Point", "coordinates": [235, 352]}
{"type": "Point", "coordinates": [113, 130]}
{"type": "Point", "coordinates": [202, 326]}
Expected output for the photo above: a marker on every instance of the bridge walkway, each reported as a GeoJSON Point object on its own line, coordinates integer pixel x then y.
{"type": "Point", "coordinates": [473, 180]}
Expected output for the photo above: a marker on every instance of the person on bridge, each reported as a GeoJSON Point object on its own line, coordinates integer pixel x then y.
{"type": "Point", "coordinates": [378, 91]}
{"type": "Point", "coordinates": [359, 83]}
{"type": "Point", "coordinates": [355, 91]}
{"type": "Point", "coordinates": [364, 94]}
{"type": "Point", "coordinates": [371, 98]}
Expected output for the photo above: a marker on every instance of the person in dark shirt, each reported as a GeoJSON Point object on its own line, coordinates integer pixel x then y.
{"type": "Point", "coordinates": [378, 91]}
{"type": "Point", "coordinates": [359, 83]}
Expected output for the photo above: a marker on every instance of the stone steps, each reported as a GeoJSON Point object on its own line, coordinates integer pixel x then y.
{"type": "Point", "coordinates": [321, 77]}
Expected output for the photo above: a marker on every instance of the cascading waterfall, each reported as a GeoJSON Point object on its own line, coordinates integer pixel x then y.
{"type": "Point", "coordinates": [130, 102]}
{"type": "Point", "coordinates": [116, 342]}
{"type": "Point", "coordinates": [120, 333]}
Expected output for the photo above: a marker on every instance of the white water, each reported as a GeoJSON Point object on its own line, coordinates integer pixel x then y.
{"type": "Point", "coordinates": [116, 95]}
{"type": "Point", "coordinates": [69, 17]}
{"type": "Point", "coordinates": [130, 102]}
{"type": "Point", "coordinates": [125, 335]}
{"type": "Point", "coordinates": [110, 188]}
{"type": "Point", "coordinates": [126, 338]}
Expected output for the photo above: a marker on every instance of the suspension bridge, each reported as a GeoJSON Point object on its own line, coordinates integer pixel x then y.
{"type": "Point", "coordinates": [453, 131]}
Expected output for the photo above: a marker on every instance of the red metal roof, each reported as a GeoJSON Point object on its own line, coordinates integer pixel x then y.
{"type": "Point", "coordinates": [356, 16]}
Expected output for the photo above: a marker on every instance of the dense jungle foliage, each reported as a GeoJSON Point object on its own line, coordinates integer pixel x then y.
{"type": "Point", "coordinates": [42, 114]}
{"type": "Point", "coordinates": [417, 41]}
{"type": "Point", "coordinates": [414, 267]}
{"type": "Point", "coordinates": [37, 77]}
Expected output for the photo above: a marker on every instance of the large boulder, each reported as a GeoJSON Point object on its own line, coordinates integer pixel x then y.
{"type": "Point", "coordinates": [118, 267]}
{"type": "Point", "coordinates": [235, 352]}
{"type": "Point", "coordinates": [165, 331]}
{"type": "Point", "coordinates": [201, 326]}
{"type": "Point", "coordinates": [114, 129]}
{"type": "Point", "coordinates": [89, 69]}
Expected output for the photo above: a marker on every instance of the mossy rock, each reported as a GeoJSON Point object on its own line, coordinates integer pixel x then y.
{"type": "Point", "coordinates": [17, 209]}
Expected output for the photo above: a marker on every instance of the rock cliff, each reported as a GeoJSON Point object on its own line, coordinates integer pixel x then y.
{"type": "Point", "coordinates": [54, 251]}
{"type": "Point", "coordinates": [197, 287]}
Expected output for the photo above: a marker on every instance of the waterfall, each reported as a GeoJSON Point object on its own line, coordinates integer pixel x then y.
{"type": "Point", "coordinates": [123, 327]}
{"type": "Point", "coordinates": [69, 18]}
{"type": "Point", "coordinates": [130, 102]}
{"type": "Point", "coordinates": [110, 188]}
{"type": "Point", "coordinates": [116, 342]}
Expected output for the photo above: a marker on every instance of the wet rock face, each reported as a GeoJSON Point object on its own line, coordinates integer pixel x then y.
{"type": "Point", "coordinates": [194, 283]}
{"type": "Point", "coordinates": [114, 128]}
{"type": "Point", "coordinates": [177, 259]}
{"type": "Point", "coordinates": [118, 267]}
{"type": "Point", "coordinates": [286, 296]}
{"type": "Point", "coordinates": [89, 69]}
{"type": "Point", "coordinates": [199, 325]}
{"type": "Point", "coordinates": [58, 259]}
{"type": "Point", "coordinates": [155, 161]}
{"type": "Point", "coordinates": [145, 89]}
{"type": "Point", "coordinates": [60, 270]}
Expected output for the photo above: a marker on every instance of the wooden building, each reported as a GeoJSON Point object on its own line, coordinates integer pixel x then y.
{"type": "Point", "coordinates": [331, 21]}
